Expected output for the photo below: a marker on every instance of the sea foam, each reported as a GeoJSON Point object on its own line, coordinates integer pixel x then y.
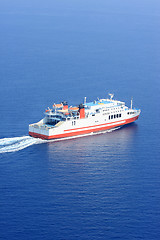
{"type": "Point", "coordinates": [17, 143]}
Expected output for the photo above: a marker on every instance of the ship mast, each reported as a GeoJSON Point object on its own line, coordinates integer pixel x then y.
{"type": "Point", "coordinates": [131, 102]}
{"type": "Point", "coordinates": [111, 96]}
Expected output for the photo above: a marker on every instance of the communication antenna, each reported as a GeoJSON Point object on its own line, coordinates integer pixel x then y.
{"type": "Point", "coordinates": [85, 100]}
{"type": "Point", "coordinates": [111, 95]}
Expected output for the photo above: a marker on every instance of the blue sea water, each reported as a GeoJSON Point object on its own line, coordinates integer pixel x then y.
{"type": "Point", "coordinates": [104, 186]}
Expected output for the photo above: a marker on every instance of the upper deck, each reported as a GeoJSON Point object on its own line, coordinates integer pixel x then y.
{"type": "Point", "coordinates": [103, 103]}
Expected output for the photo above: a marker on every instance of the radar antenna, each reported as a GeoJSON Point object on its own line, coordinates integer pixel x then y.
{"type": "Point", "coordinates": [111, 95]}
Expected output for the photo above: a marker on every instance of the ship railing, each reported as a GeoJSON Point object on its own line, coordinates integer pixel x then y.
{"type": "Point", "coordinates": [40, 126]}
{"type": "Point", "coordinates": [34, 125]}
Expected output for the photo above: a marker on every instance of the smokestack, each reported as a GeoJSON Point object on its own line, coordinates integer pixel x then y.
{"type": "Point", "coordinates": [81, 111]}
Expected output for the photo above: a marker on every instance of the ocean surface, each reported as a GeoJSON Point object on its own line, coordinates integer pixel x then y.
{"type": "Point", "coordinates": [102, 186]}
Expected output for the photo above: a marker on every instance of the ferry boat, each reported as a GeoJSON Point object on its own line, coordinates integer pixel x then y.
{"type": "Point", "coordinates": [63, 121]}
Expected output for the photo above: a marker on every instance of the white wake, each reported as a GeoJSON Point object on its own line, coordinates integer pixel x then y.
{"type": "Point", "coordinates": [18, 143]}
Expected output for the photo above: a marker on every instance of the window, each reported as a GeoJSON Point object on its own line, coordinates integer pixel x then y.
{"type": "Point", "coordinates": [111, 116]}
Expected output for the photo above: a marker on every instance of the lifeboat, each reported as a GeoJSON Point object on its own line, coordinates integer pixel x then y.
{"type": "Point", "coordinates": [74, 108]}
{"type": "Point", "coordinates": [59, 105]}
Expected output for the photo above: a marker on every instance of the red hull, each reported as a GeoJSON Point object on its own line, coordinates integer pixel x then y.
{"type": "Point", "coordinates": [81, 131]}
